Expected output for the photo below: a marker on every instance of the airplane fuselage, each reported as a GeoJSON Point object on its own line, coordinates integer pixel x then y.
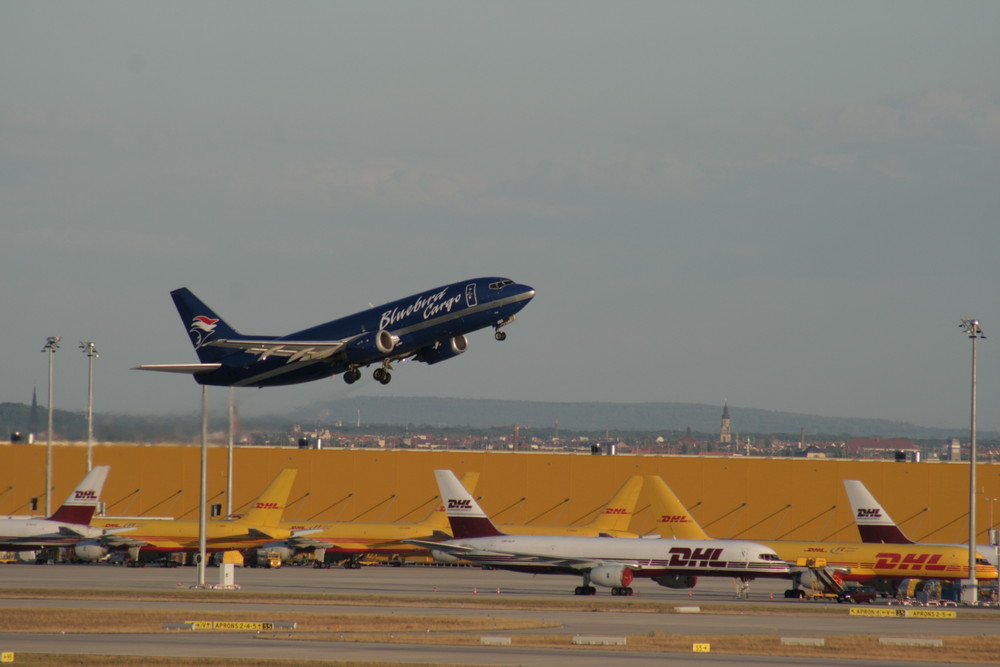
{"type": "Point", "coordinates": [646, 557]}
{"type": "Point", "coordinates": [860, 562]}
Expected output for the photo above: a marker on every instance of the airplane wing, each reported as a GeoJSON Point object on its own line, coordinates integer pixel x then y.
{"type": "Point", "coordinates": [187, 369]}
{"type": "Point", "coordinates": [310, 350]}
{"type": "Point", "coordinates": [581, 564]}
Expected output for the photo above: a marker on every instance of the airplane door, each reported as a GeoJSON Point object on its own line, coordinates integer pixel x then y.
{"type": "Point", "coordinates": [470, 295]}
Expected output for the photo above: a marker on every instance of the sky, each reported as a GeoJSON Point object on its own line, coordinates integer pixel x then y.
{"type": "Point", "coordinates": [780, 205]}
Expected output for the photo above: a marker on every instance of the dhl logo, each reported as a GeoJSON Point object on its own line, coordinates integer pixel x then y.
{"type": "Point", "coordinates": [268, 506]}
{"type": "Point", "coordinates": [616, 510]}
{"type": "Point", "coordinates": [911, 561]}
{"type": "Point", "coordinates": [685, 557]}
{"type": "Point", "coordinates": [674, 518]}
{"type": "Point", "coordinates": [454, 504]}
{"type": "Point", "coordinates": [869, 513]}
{"type": "Point", "coordinates": [85, 495]}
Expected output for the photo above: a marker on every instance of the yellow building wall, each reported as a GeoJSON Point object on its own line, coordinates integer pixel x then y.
{"type": "Point", "coordinates": [753, 498]}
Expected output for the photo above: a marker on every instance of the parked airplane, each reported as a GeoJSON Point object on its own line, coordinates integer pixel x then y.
{"type": "Point", "coordinates": [429, 327]}
{"type": "Point", "coordinates": [829, 564]}
{"type": "Point", "coordinates": [876, 526]}
{"type": "Point", "coordinates": [258, 526]}
{"type": "Point", "coordinates": [599, 560]}
{"type": "Point", "coordinates": [351, 541]}
{"type": "Point", "coordinates": [67, 526]}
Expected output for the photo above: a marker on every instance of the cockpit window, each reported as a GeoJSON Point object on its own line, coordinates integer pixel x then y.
{"type": "Point", "coordinates": [769, 557]}
{"type": "Point", "coordinates": [981, 561]}
{"type": "Point", "coordinates": [500, 284]}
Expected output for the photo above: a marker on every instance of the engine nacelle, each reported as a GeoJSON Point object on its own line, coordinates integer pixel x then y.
{"type": "Point", "coordinates": [613, 576]}
{"type": "Point", "coordinates": [371, 346]}
{"type": "Point", "coordinates": [444, 349]}
{"type": "Point", "coordinates": [442, 557]}
{"type": "Point", "coordinates": [90, 551]}
{"type": "Point", "coordinates": [677, 580]}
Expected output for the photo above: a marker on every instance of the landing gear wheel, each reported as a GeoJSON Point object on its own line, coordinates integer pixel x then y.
{"type": "Point", "coordinates": [500, 335]}
{"type": "Point", "coordinates": [352, 375]}
{"type": "Point", "coordinates": [382, 375]}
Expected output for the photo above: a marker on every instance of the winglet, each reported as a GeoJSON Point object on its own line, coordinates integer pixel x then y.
{"type": "Point", "coordinates": [465, 515]}
{"type": "Point", "coordinates": [874, 523]}
{"type": "Point", "coordinates": [80, 506]}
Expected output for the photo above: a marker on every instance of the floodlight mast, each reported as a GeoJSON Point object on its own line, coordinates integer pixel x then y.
{"type": "Point", "coordinates": [970, 593]}
{"type": "Point", "coordinates": [51, 345]}
{"type": "Point", "coordinates": [91, 352]}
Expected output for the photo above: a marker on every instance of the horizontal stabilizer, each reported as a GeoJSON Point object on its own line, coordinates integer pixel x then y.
{"type": "Point", "coordinates": [186, 369]}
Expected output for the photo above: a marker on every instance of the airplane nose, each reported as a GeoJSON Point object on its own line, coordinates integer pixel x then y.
{"type": "Point", "coordinates": [528, 292]}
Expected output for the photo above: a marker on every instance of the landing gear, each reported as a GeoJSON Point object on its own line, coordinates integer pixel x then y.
{"type": "Point", "coordinates": [502, 335]}
{"type": "Point", "coordinates": [352, 375]}
{"type": "Point", "coordinates": [585, 590]}
{"type": "Point", "coordinates": [382, 375]}
{"type": "Point", "coordinates": [622, 590]}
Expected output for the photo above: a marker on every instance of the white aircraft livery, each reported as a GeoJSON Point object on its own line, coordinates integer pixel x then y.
{"type": "Point", "coordinates": [605, 561]}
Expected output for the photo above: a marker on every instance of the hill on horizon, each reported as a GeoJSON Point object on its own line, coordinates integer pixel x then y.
{"type": "Point", "coordinates": [481, 413]}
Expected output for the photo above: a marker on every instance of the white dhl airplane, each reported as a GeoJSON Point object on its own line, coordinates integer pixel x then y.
{"type": "Point", "coordinates": [876, 526]}
{"type": "Point", "coordinates": [69, 524]}
{"type": "Point", "coordinates": [605, 561]}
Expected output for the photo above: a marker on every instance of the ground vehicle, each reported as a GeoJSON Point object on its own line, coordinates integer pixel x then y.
{"type": "Point", "coordinates": [858, 594]}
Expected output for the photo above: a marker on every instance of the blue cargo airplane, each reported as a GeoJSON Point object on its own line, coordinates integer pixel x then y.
{"type": "Point", "coordinates": [429, 326]}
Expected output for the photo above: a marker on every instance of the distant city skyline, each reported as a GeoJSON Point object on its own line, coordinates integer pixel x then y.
{"type": "Point", "coordinates": [782, 206]}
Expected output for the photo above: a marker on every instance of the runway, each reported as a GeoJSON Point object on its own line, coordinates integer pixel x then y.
{"type": "Point", "coordinates": [463, 584]}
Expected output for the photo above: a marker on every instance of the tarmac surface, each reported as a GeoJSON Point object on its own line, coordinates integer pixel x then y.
{"type": "Point", "coordinates": [427, 583]}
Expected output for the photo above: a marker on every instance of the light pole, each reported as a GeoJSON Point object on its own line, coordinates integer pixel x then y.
{"type": "Point", "coordinates": [970, 593]}
{"type": "Point", "coordinates": [51, 345]}
{"type": "Point", "coordinates": [91, 352]}
{"type": "Point", "coordinates": [992, 533]}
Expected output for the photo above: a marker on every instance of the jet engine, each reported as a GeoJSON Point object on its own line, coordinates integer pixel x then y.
{"type": "Point", "coordinates": [677, 580]}
{"type": "Point", "coordinates": [442, 557]}
{"type": "Point", "coordinates": [444, 349]}
{"type": "Point", "coordinates": [614, 576]}
{"type": "Point", "coordinates": [90, 551]}
{"type": "Point", "coordinates": [371, 346]}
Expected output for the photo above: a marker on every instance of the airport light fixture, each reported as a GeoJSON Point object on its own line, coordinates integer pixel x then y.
{"type": "Point", "coordinates": [91, 352]}
{"type": "Point", "coordinates": [970, 594]}
{"type": "Point", "coordinates": [51, 345]}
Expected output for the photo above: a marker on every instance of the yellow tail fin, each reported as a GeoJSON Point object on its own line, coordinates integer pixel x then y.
{"type": "Point", "coordinates": [617, 514]}
{"type": "Point", "coordinates": [270, 505]}
{"type": "Point", "coordinates": [670, 516]}
{"type": "Point", "coordinates": [438, 518]}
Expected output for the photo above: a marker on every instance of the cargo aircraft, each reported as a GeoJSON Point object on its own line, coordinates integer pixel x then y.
{"type": "Point", "coordinates": [829, 564]}
{"type": "Point", "coordinates": [258, 526]}
{"type": "Point", "coordinates": [877, 527]}
{"type": "Point", "coordinates": [68, 525]}
{"type": "Point", "coordinates": [605, 561]}
{"type": "Point", "coordinates": [351, 541]}
{"type": "Point", "coordinates": [429, 327]}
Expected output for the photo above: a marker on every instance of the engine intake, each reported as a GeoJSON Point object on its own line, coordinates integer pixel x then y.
{"type": "Point", "coordinates": [90, 551]}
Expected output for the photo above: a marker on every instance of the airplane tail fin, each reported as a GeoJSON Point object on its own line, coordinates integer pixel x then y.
{"type": "Point", "coordinates": [438, 518]}
{"type": "Point", "coordinates": [80, 506]}
{"type": "Point", "coordinates": [671, 517]}
{"type": "Point", "coordinates": [203, 324]}
{"type": "Point", "coordinates": [874, 523]}
{"type": "Point", "coordinates": [617, 514]}
{"type": "Point", "coordinates": [270, 505]}
{"type": "Point", "coordinates": [466, 517]}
